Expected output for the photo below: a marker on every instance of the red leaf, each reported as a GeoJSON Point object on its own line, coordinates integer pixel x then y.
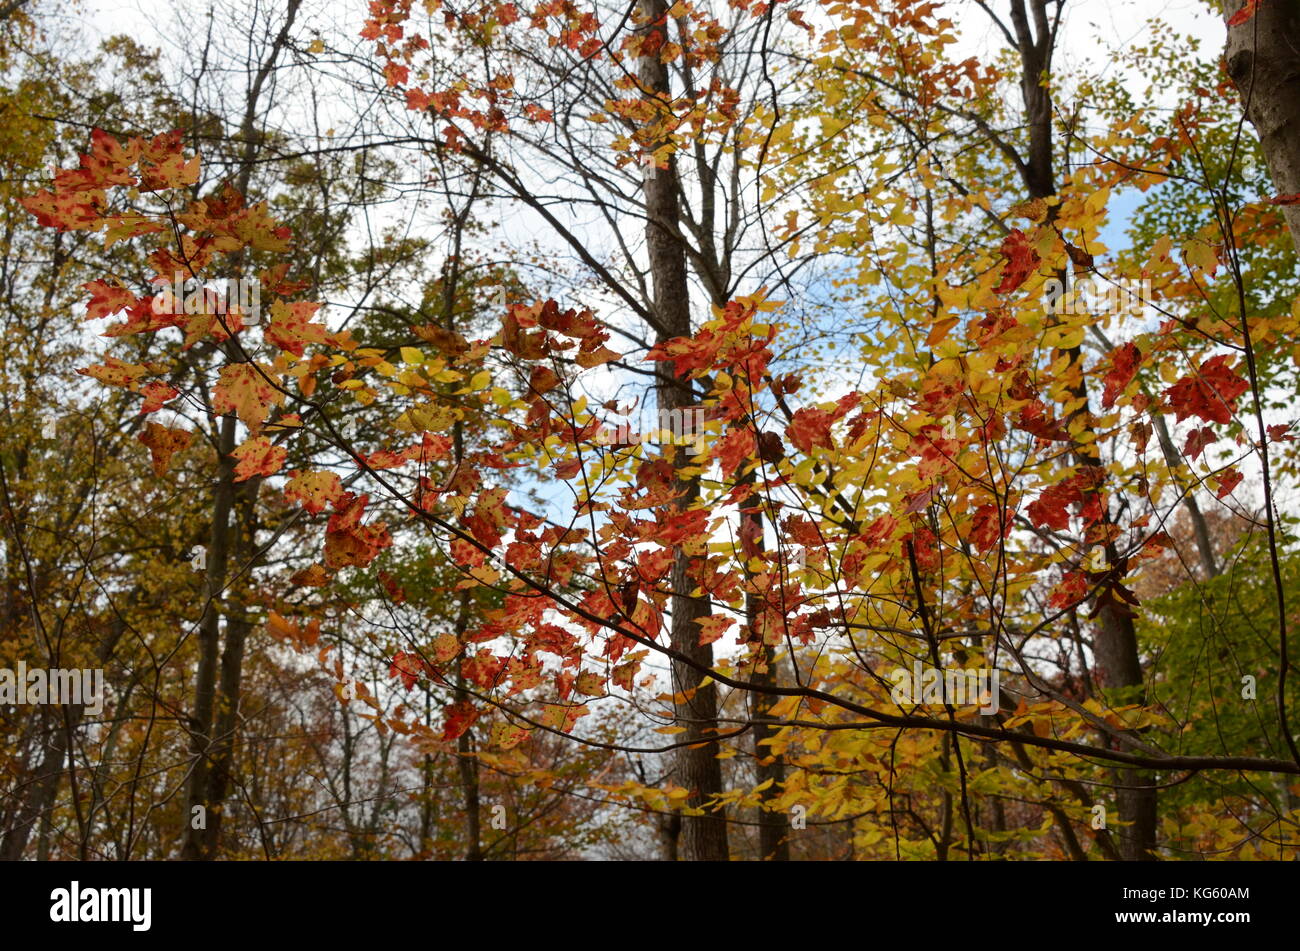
{"type": "Point", "coordinates": [1285, 199]}
{"type": "Point", "coordinates": [810, 427]}
{"type": "Point", "coordinates": [1072, 589]}
{"type": "Point", "coordinates": [1197, 440]}
{"type": "Point", "coordinates": [733, 449]}
{"type": "Point", "coordinates": [1247, 11]}
{"type": "Point", "coordinates": [1226, 481]}
{"type": "Point", "coordinates": [986, 532]}
{"type": "Point", "coordinates": [347, 541]}
{"type": "Point", "coordinates": [713, 627]}
{"type": "Point", "coordinates": [459, 717]}
{"type": "Point", "coordinates": [1123, 367]}
{"type": "Point", "coordinates": [1022, 261]}
{"type": "Point", "coordinates": [155, 394]}
{"type": "Point", "coordinates": [1211, 394]}
{"type": "Point", "coordinates": [106, 299]}
{"type": "Point", "coordinates": [1049, 509]}
{"type": "Point", "coordinates": [408, 668]}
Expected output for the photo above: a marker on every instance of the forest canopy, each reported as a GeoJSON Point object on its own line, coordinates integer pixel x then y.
{"type": "Point", "coordinates": [706, 430]}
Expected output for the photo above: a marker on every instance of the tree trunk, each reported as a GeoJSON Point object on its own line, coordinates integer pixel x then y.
{"type": "Point", "coordinates": [1263, 59]}
{"type": "Point", "coordinates": [704, 838]}
{"type": "Point", "coordinates": [1115, 644]}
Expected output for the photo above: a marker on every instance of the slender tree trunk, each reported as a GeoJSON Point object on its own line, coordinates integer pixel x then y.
{"type": "Point", "coordinates": [1115, 645]}
{"type": "Point", "coordinates": [238, 628]}
{"type": "Point", "coordinates": [773, 829]}
{"type": "Point", "coordinates": [704, 838]}
{"type": "Point", "coordinates": [205, 679]}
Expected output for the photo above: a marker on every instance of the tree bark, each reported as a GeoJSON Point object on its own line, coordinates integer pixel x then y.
{"type": "Point", "coordinates": [704, 837]}
{"type": "Point", "coordinates": [1263, 59]}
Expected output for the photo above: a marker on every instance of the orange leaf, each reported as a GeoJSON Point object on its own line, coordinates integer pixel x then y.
{"type": "Point", "coordinates": [258, 457]}
{"type": "Point", "coordinates": [163, 442]}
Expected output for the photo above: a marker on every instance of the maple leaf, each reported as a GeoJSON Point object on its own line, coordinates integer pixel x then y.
{"type": "Point", "coordinates": [1280, 433]}
{"type": "Point", "coordinates": [457, 718]}
{"type": "Point", "coordinates": [408, 668]}
{"type": "Point", "coordinates": [568, 468]}
{"type": "Point", "coordinates": [156, 393]}
{"type": "Point", "coordinates": [810, 427]}
{"type": "Point", "coordinates": [313, 576]}
{"type": "Point", "coordinates": [242, 388]}
{"type": "Point", "coordinates": [1036, 420]}
{"type": "Point", "coordinates": [163, 443]}
{"type": "Point", "coordinates": [1049, 509]}
{"type": "Point", "coordinates": [562, 716]}
{"type": "Point", "coordinates": [284, 629]}
{"type": "Point", "coordinates": [1248, 10]}
{"type": "Point", "coordinates": [732, 449]}
{"type": "Point", "coordinates": [1022, 261]}
{"type": "Point", "coordinates": [1293, 199]}
{"type": "Point", "coordinates": [1226, 481]}
{"type": "Point", "coordinates": [1123, 367]}
{"type": "Point", "coordinates": [291, 328]}
{"type": "Point", "coordinates": [986, 530]}
{"type": "Point", "coordinates": [107, 299]}
{"type": "Point", "coordinates": [258, 457]}
{"type": "Point", "coordinates": [1072, 589]}
{"type": "Point", "coordinates": [313, 490]}
{"type": "Point", "coordinates": [713, 627]}
{"type": "Point", "coordinates": [543, 380]}
{"type": "Point", "coordinates": [1197, 440]}
{"type": "Point", "coordinates": [115, 372]}
{"type": "Point", "coordinates": [347, 541]}
{"type": "Point", "coordinates": [1210, 394]}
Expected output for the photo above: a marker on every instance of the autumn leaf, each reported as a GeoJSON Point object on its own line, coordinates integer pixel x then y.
{"type": "Point", "coordinates": [1072, 589]}
{"type": "Point", "coordinates": [1197, 440]}
{"type": "Point", "coordinates": [258, 457]}
{"type": "Point", "coordinates": [1022, 261]}
{"type": "Point", "coordinates": [163, 443]}
{"type": "Point", "coordinates": [1211, 394]}
{"type": "Point", "coordinates": [156, 393]}
{"type": "Point", "coordinates": [457, 718]}
{"type": "Point", "coordinates": [1123, 367]}
{"type": "Point", "coordinates": [313, 576]}
{"type": "Point", "coordinates": [107, 299]}
{"type": "Point", "coordinates": [986, 528]}
{"type": "Point", "coordinates": [1225, 482]}
{"type": "Point", "coordinates": [1249, 9]}
{"type": "Point", "coordinates": [408, 668]}
{"type": "Point", "coordinates": [732, 449]}
{"type": "Point", "coordinates": [347, 541]}
{"type": "Point", "coordinates": [299, 635]}
{"type": "Point", "coordinates": [313, 490]}
{"type": "Point", "coordinates": [810, 427]}
{"type": "Point", "coordinates": [713, 627]}
{"type": "Point", "coordinates": [242, 388]}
